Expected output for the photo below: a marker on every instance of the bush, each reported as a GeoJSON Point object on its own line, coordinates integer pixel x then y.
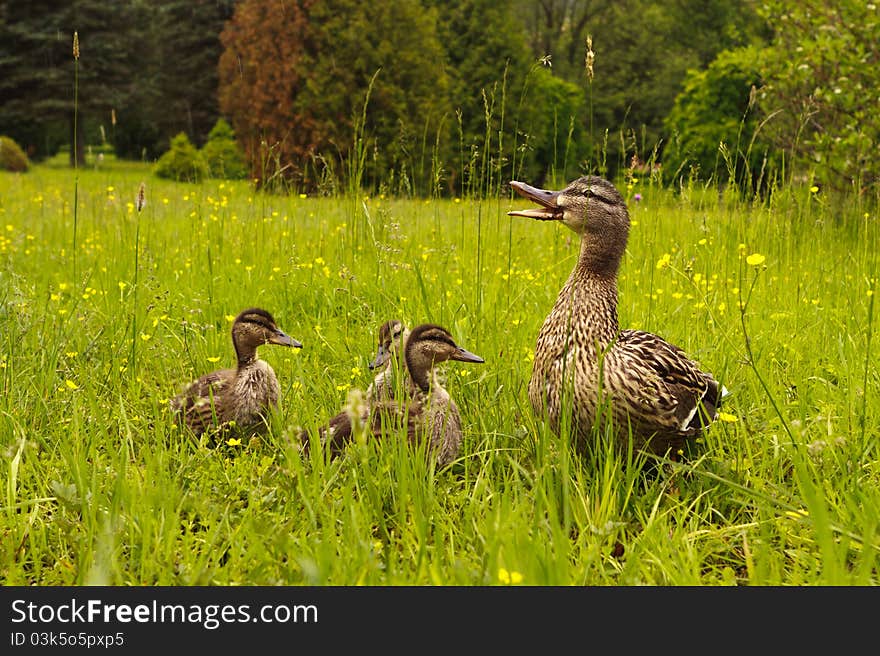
{"type": "Point", "coordinates": [222, 154]}
{"type": "Point", "coordinates": [12, 157]}
{"type": "Point", "coordinates": [821, 92]}
{"type": "Point", "coordinates": [716, 107]}
{"type": "Point", "coordinates": [182, 162]}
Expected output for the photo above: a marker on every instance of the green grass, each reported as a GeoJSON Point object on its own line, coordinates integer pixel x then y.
{"type": "Point", "coordinates": [99, 486]}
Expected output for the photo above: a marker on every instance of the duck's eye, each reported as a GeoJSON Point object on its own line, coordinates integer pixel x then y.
{"type": "Point", "coordinates": [588, 193]}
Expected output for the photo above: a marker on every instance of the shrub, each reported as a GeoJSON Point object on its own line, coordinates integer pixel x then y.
{"type": "Point", "coordinates": [821, 90]}
{"type": "Point", "coordinates": [12, 157]}
{"type": "Point", "coordinates": [716, 107]}
{"type": "Point", "coordinates": [222, 154]}
{"type": "Point", "coordinates": [182, 161]}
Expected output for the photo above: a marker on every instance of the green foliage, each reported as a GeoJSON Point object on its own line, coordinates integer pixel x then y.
{"type": "Point", "coordinates": [12, 157]}
{"type": "Point", "coordinates": [152, 63]}
{"type": "Point", "coordinates": [822, 73]}
{"type": "Point", "coordinates": [222, 154]}
{"type": "Point", "coordinates": [713, 128]}
{"type": "Point", "coordinates": [488, 62]}
{"type": "Point", "coordinates": [182, 161]}
{"type": "Point", "coordinates": [643, 50]}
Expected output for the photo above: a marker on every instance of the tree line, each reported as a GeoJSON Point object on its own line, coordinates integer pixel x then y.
{"type": "Point", "coordinates": [453, 97]}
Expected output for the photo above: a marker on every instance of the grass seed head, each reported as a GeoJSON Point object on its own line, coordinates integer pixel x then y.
{"type": "Point", "coordinates": [141, 199]}
{"type": "Point", "coordinates": [590, 57]}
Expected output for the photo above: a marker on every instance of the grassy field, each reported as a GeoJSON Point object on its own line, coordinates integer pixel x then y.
{"type": "Point", "coordinates": [106, 312]}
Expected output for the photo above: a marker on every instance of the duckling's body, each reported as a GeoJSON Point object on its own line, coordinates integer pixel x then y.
{"type": "Point", "coordinates": [642, 386]}
{"type": "Point", "coordinates": [243, 395]}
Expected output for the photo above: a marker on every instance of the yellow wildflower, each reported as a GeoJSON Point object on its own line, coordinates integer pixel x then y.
{"type": "Point", "coordinates": [755, 259]}
{"type": "Point", "coordinates": [509, 578]}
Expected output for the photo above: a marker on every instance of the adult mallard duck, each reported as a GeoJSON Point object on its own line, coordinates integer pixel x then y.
{"type": "Point", "coordinates": [641, 386]}
{"type": "Point", "coordinates": [411, 397]}
{"type": "Point", "coordinates": [243, 395]}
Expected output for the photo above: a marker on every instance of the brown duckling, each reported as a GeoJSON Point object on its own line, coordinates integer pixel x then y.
{"type": "Point", "coordinates": [243, 395]}
{"type": "Point", "coordinates": [423, 405]}
{"type": "Point", "coordinates": [338, 429]}
{"type": "Point", "coordinates": [408, 393]}
{"type": "Point", "coordinates": [392, 336]}
{"type": "Point", "coordinates": [644, 387]}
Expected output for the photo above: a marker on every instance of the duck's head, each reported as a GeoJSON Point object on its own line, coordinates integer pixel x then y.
{"type": "Point", "coordinates": [429, 344]}
{"type": "Point", "coordinates": [590, 205]}
{"type": "Point", "coordinates": [254, 327]}
{"type": "Point", "coordinates": [391, 335]}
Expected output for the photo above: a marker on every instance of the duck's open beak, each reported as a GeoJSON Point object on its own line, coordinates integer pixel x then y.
{"type": "Point", "coordinates": [283, 339]}
{"type": "Point", "coordinates": [549, 210]}
{"type": "Point", "coordinates": [381, 357]}
{"type": "Point", "coordinates": [463, 355]}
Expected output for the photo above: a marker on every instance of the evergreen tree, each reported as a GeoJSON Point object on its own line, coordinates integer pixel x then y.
{"type": "Point", "coordinates": [489, 62]}
{"type": "Point", "coordinates": [189, 49]}
{"type": "Point", "coordinates": [37, 70]}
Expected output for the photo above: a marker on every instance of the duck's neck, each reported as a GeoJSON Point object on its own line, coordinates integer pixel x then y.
{"type": "Point", "coordinates": [592, 291]}
{"type": "Point", "coordinates": [419, 367]}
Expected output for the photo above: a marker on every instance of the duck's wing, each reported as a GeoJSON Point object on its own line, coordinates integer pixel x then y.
{"type": "Point", "coordinates": [198, 402]}
{"type": "Point", "coordinates": [665, 388]}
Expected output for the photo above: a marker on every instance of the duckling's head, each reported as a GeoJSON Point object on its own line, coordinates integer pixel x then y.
{"type": "Point", "coordinates": [590, 205]}
{"type": "Point", "coordinates": [254, 327]}
{"type": "Point", "coordinates": [429, 344]}
{"type": "Point", "coordinates": [391, 334]}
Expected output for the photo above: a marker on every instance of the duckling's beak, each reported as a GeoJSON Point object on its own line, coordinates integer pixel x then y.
{"type": "Point", "coordinates": [549, 211]}
{"type": "Point", "coordinates": [283, 339]}
{"type": "Point", "coordinates": [381, 357]}
{"type": "Point", "coordinates": [463, 355]}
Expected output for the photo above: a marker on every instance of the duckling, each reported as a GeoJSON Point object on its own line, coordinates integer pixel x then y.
{"type": "Point", "coordinates": [647, 389]}
{"type": "Point", "coordinates": [392, 335]}
{"type": "Point", "coordinates": [425, 405]}
{"type": "Point", "coordinates": [338, 429]}
{"type": "Point", "coordinates": [243, 395]}
{"type": "Point", "coordinates": [426, 408]}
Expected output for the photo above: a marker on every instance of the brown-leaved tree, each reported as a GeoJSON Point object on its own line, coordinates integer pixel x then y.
{"type": "Point", "coordinates": [295, 74]}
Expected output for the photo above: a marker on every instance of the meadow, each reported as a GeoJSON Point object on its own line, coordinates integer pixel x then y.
{"type": "Point", "coordinates": [105, 312]}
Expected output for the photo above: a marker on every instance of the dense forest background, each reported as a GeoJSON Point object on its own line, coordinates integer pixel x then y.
{"type": "Point", "coordinates": [425, 97]}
